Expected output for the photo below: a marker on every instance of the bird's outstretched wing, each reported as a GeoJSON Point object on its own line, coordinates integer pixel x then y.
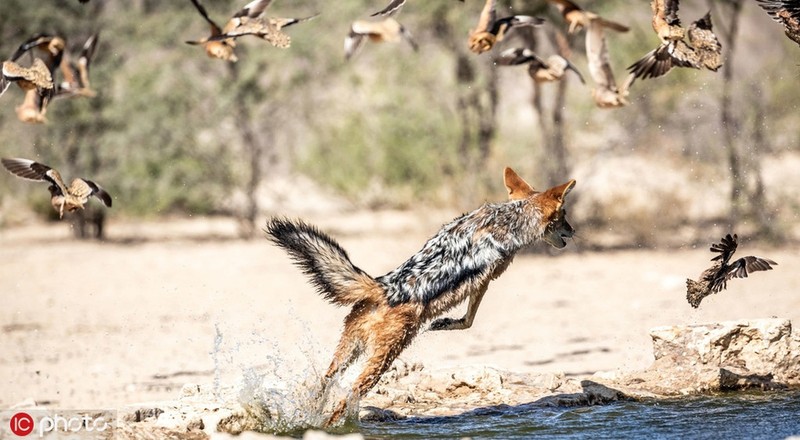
{"type": "Point", "coordinates": [597, 57]}
{"type": "Point", "coordinates": [30, 43]}
{"type": "Point", "coordinates": [502, 25]}
{"type": "Point", "coordinates": [32, 170]}
{"type": "Point", "coordinates": [215, 29]}
{"type": "Point", "coordinates": [352, 44]}
{"type": "Point", "coordinates": [87, 53]}
{"type": "Point", "coordinates": [391, 8]}
{"type": "Point", "coordinates": [776, 7]}
{"type": "Point", "coordinates": [253, 9]}
{"type": "Point", "coordinates": [746, 265]}
{"type": "Point", "coordinates": [488, 16]}
{"type": "Point", "coordinates": [76, 75]}
{"type": "Point", "coordinates": [519, 55]}
{"type": "Point", "coordinates": [27, 169]}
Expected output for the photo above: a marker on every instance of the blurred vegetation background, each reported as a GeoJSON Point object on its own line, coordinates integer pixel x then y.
{"type": "Point", "coordinates": [173, 132]}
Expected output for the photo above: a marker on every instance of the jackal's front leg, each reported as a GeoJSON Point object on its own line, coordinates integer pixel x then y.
{"type": "Point", "coordinates": [466, 321]}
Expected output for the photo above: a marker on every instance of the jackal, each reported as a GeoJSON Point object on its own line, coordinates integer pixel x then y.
{"type": "Point", "coordinates": [456, 264]}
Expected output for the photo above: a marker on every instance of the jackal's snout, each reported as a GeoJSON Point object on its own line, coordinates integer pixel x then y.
{"type": "Point", "coordinates": [556, 235]}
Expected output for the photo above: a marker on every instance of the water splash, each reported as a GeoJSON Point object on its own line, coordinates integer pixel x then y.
{"type": "Point", "coordinates": [280, 405]}
{"type": "Point", "coordinates": [215, 353]}
{"type": "Point", "coordinates": [281, 391]}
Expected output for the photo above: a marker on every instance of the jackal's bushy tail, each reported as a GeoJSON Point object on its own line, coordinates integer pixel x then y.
{"type": "Point", "coordinates": [325, 261]}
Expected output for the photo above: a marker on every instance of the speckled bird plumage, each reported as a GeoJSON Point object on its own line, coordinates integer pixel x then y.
{"type": "Point", "coordinates": [785, 12]}
{"type": "Point", "coordinates": [62, 197]}
{"type": "Point", "coordinates": [48, 56]}
{"type": "Point", "coordinates": [249, 20]}
{"type": "Point", "coordinates": [715, 278]}
{"type": "Point", "coordinates": [37, 83]}
{"type": "Point", "coordinates": [696, 47]}
{"type": "Point", "coordinates": [490, 30]}
{"type": "Point", "coordinates": [453, 266]}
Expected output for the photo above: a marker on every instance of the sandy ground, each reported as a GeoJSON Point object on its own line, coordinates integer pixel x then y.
{"type": "Point", "coordinates": [103, 325]}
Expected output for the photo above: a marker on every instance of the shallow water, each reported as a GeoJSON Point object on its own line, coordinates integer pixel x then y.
{"type": "Point", "coordinates": [728, 416]}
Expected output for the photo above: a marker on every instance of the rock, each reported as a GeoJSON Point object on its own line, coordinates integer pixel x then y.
{"type": "Point", "coordinates": [730, 355]}
{"type": "Point", "coordinates": [449, 392]}
{"type": "Point", "coordinates": [142, 414]}
{"type": "Point", "coordinates": [463, 381]}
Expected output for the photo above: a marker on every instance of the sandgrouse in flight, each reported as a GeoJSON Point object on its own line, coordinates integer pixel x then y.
{"type": "Point", "coordinates": [715, 278]}
{"type": "Point", "coordinates": [62, 198]}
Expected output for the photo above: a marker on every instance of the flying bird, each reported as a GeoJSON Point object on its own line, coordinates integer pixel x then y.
{"type": "Point", "coordinates": [49, 51]}
{"type": "Point", "coordinates": [715, 278]}
{"type": "Point", "coordinates": [37, 83]}
{"type": "Point", "coordinates": [705, 42]}
{"type": "Point", "coordinates": [540, 70]}
{"type": "Point", "coordinates": [577, 17]}
{"type": "Point", "coordinates": [392, 7]}
{"type": "Point", "coordinates": [62, 198]}
{"type": "Point", "coordinates": [606, 93]}
{"type": "Point", "coordinates": [386, 30]}
{"type": "Point", "coordinates": [249, 20]}
{"type": "Point", "coordinates": [36, 77]}
{"type": "Point", "coordinates": [268, 29]}
{"type": "Point", "coordinates": [44, 50]}
{"type": "Point", "coordinates": [224, 48]}
{"type": "Point", "coordinates": [785, 12]}
{"type": "Point", "coordinates": [491, 30]}
{"type": "Point", "coordinates": [76, 75]}
{"type": "Point", "coordinates": [220, 49]}
{"type": "Point", "coordinates": [702, 50]}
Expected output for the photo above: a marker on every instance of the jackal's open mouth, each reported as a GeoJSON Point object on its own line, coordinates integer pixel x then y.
{"type": "Point", "coordinates": [556, 239]}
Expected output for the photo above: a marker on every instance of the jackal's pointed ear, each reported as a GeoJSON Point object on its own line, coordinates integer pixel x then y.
{"type": "Point", "coordinates": [560, 192]}
{"type": "Point", "coordinates": [517, 187]}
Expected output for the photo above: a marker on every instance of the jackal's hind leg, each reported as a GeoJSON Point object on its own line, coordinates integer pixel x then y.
{"type": "Point", "coordinates": [346, 352]}
{"type": "Point", "coordinates": [383, 351]}
{"type": "Point", "coordinates": [376, 366]}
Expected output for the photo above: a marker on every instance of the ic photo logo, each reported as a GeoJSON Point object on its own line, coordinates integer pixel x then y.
{"type": "Point", "coordinates": [38, 423]}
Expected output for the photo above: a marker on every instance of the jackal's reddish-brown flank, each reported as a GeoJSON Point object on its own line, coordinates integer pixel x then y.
{"type": "Point", "coordinates": [454, 265]}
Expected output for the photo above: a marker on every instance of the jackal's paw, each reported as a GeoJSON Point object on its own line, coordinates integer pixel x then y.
{"type": "Point", "coordinates": [447, 324]}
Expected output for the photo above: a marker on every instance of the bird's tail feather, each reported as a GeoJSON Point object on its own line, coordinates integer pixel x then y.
{"type": "Point", "coordinates": [614, 25]}
{"type": "Point", "coordinates": [695, 292]}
